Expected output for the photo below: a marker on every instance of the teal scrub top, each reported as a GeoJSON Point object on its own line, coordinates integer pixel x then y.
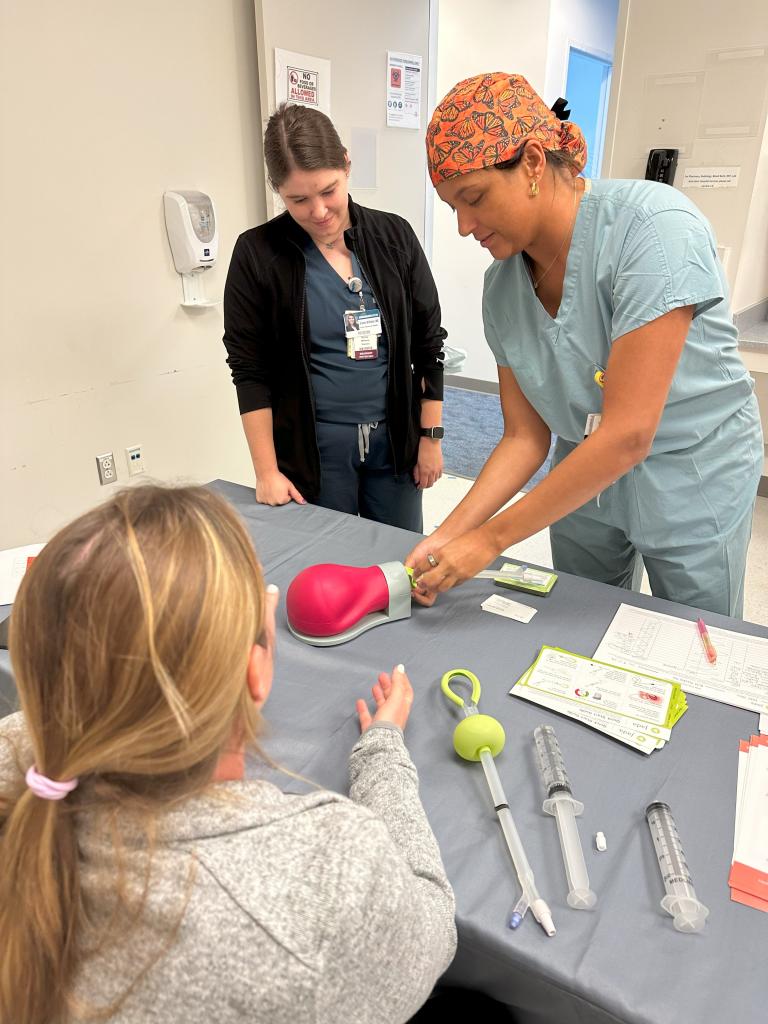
{"type": "Point", "coordinates": [639, 249]}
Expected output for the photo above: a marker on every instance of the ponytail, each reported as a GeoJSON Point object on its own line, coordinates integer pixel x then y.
{"type": "Point", "coordinates": [130, 639]}
{"type": "Point", "coordinates": [40, 907]}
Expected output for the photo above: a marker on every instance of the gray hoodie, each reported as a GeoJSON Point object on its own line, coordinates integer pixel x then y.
{"type": "Point", "coordinates": [266, 907]}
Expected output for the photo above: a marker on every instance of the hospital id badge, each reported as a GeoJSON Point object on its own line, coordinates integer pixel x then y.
{"type": "Point", "coordinates": [593, 422]}
{"type": "Point", "coordinates": [362, 328]}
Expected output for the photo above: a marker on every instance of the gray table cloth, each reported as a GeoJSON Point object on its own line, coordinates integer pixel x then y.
{"type": "Point", "coordinates": [623, 961]}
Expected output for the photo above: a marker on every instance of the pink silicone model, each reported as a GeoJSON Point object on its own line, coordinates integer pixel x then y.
{"type": "Point", "coordinates": [324, 600]}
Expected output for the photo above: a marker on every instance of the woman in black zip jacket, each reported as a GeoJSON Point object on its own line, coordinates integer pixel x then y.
{"type": "Point", "coordinates": [342, 411]}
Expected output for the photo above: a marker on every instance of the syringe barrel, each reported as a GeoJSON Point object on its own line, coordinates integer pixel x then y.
{"type": "Point", "coordinates": [550, 761]}
{"type": "Point", "coordinates": [579, 893]}
{"type": "Point", "coordinates": [680, 900]}
{"type": "Point", "coordinates": [669, 850]}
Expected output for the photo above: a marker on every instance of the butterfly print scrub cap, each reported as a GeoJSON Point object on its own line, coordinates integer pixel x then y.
{"type": "Point", "coordinates": [485, 120]}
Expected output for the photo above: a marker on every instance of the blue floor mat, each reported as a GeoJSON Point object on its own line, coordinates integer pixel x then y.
{"type": "Point", "coordinates": [473, 426]}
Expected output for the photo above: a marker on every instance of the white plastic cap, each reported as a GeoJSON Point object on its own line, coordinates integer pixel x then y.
{"type": "Point", "coordinates": [543, 915]}
{"type": "Point", "coordinates": [600, 842]}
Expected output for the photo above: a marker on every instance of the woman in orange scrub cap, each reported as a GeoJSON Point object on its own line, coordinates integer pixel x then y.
{"type": "Point", "coordinates": [607, 311]}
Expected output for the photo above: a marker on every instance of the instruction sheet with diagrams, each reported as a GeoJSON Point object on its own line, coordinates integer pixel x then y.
{"type": "Point", "coordinates": [671, 648]}
{"type": "Point", "coordinates": [629, 706]}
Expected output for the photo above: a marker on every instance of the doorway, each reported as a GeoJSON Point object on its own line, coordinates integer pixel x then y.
{"type": "Point", "coordinates": [588, 88]}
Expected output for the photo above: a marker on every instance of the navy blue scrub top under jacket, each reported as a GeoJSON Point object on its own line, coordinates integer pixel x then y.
{"type": "Point", "coordinates": [346, 390]}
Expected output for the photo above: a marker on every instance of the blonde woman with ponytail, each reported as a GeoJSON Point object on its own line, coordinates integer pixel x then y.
{"type": "Point", "coordinates": [143, 878]}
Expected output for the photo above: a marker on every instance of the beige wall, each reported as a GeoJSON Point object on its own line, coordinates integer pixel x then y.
{"type": "Point", "coordinates": [751, 286]}
{"type": "Point", "coordinates": [355, 36]}
{"type": "Point", "coordinates": [656, 38]}
{"type": "Point", "coordinates": [513, 38]}
{"type": "Point", "coordinates": [111, 105]}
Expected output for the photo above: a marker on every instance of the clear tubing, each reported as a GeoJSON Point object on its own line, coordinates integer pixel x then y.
{"type": "Point", "coordinates": [538, 906]}
{"type": "Point", "coordinates": [561, 804]}
{"type": "Point", "coordinates": [688, 913]}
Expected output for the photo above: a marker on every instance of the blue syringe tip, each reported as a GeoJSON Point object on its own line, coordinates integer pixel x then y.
{"type": "Point", "coordinates": [515, 920]}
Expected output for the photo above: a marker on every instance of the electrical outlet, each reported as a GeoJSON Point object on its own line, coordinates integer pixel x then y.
{"type": "Point", "coordinates": [135, 459]}
{"type": "Point", "coordinates": [106, 467]}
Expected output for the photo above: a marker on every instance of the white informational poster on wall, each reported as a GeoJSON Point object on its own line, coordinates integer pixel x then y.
{"type": "Point", "coordinates": [711, 177]}
{"type": "Point", "coordinates": [403, 90]}
{"type": "Point", "coordinates": [300, 78]}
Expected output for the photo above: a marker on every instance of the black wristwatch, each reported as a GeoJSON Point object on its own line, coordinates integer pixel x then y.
{"type": "Point", "coordinates": [436, 433]}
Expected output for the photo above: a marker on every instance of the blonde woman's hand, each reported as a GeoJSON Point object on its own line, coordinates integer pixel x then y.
{"type": "Point", "coordinates": [393, 696]}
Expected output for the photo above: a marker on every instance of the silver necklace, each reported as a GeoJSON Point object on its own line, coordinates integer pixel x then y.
{"type": "Point", "coordinates": [565, 239]}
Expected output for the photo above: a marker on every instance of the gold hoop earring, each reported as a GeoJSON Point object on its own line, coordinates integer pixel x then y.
{"type": "Point", "coordinates": [534, 191]}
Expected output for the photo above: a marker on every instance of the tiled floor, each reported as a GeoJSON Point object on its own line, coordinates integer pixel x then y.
{"type": "Point", "coordinates": [449, 490]}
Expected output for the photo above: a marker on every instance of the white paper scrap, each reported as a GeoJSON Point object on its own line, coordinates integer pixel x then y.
{"type": "Point", "coordinates": [507, 607]}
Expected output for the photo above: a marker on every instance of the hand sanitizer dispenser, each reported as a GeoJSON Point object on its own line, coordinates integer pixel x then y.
{"type": "Point", "coordinates": [190, 219]}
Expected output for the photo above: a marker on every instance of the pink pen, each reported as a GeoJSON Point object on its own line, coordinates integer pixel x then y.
{"type": "Point", "coordinates": [709, 649]}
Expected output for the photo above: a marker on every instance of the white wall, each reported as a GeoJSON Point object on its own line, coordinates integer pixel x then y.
{"type": "Point", "coordinates": [113, 104]}
{"type": "Point", "coordinates": [355, 36]}
{"type": "Point", "coordinates": [492, 35]}
{"type": "Point", "coordinates": [751, 284]}
{"type": "Point", "coordinates": [586, 24]}
{"type": "Point", "coordinates": [658, 38]}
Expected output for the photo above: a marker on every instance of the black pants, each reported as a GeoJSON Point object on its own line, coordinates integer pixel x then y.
{"type": "Point", "coordinates": [363, 482]}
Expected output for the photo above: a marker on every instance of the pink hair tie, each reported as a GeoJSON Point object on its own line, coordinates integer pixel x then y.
{"type": "Point", "coordinates": [48, 789]}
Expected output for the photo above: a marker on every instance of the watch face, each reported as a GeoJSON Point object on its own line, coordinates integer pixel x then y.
{"type": "Point", "coordinates": [434, 432]}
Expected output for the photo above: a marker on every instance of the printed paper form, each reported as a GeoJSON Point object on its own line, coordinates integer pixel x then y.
{"type": "Point", "coordinates": [665, 646]}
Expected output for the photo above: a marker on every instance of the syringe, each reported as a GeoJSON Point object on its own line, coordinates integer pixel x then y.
{"type": "Point", "coordinates": [561, 804]}
{"type": "Point", "coordinates": [680, 901]}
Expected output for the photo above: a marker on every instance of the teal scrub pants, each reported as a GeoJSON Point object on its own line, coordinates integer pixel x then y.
{"type": "Point", "coordinates": [686, 515]}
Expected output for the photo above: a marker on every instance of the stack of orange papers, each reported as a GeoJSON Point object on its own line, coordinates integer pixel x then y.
{"type": "Point", "coordinates": [749, 871]}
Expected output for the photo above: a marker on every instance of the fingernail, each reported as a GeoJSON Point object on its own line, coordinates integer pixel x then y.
{"type": "Point", "coordinates": [400, 668]}
{"type": "Point", "coordinates": [273, 588]}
